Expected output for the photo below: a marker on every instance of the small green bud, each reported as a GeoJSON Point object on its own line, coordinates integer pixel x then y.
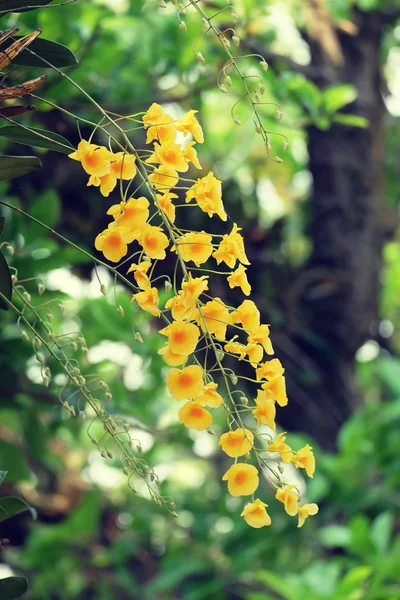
{"type": "Point", "coordinates": [103, 289]}
{"type": "Point", "coordinates": [211, 431]}
{"type": "Point", "coordinates": [236, 40]}
{"type": "Point", "coordinates": [200, 57]}
{"type": "Point", "coordinates": [10, 249]}
{"type": "Point", "coordinates": [14, 279]}
{"type": "Point", "coordinates": [168, 285]}
{"type": "Point", "coordinates": [237, 120]}
{"type": "Point", "coordinates": [182, 26]}
{"type": "Point", "coordinates": [234, 378]}
{"type": "Point", "coordinates": [264, 65]}
{"type": "Point", "coordinates": [228, 81]}
{"type": "Point", "coordinates": [223, 89]}
{"type": "Point", "coordinates": [138, 337]}
{"type": "Point", "coordinates": [41, 289]}
{"type": "Point", "coordinates": [121, 312]}
{"type": "Point", "coordinates": [26, 296]}
{"type": "Point", "coordinates": [24, 335]}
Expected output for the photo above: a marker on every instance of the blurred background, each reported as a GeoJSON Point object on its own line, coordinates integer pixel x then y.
{"type": "Point", "coordinates": [322, 236]}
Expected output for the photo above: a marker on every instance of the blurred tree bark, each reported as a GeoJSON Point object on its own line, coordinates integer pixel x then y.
{"type": "Point", "coordinates": [339, 286]}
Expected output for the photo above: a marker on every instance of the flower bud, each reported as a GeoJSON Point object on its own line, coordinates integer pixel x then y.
{"type": "Point", "coordinates": [286, 146]}
{"type": "Point", "coordinates": [234, 17]}
{"type": "Point", "coordinates": [14, 279]}
{"type": "Point", "coordinates": [237, 120]}
{"type": "Point", "coordinates": [74, 346]}
{"type": "Point", "coordinates": [236, 40]}
{"type": "Point", "coordinates": [228, 81]}
{"type": "Point", "coordinates": [234, 378]}
{"type": "Point", "coordinates": [280, 469]}
{"type": "Point", "coordinates": [223, 89]}
{"type": "Point", "coordinates": [139, 448]}
{"type": "Point", "coordinates": [200, 57]}
{"type": "Point", "coordinates": [24, 335]}
{"type": "Point", "coordinates": [109, 454]}
{"type": "Point", "coordinates": [145, 258]}
{"type": "Point", "coordinates": [138, 337]}
{"type": "Point", "coordinates": [244, 400]}
{"type": "Point", "coordinates": [211, 431]}
{"type": "Point", "coordinates": [264, 65]}
{"type": "Point", "coordinates": [278, 159]}
{"type": "Point", "coordinates": [168, 285]}
{"type": "Point", "coordinates": [50, 317]}
{"type": "Point", "coordinates": [41, 289]}
{"type": "Point", "coordinates": [10, 249]}
{"type": "Point", "coordinates": [26, 296]}
{"type": "Point", "coordinates": [61, 308]}
{"type": "Point", "coordinates": [39, 358]}
{"type": "Point", "coordinates": [125, 471]}
{"type": "Point", "coordinates": [262, 89]}
{"type": "Point", "coordinates": [182, 26]}
{"type": "Point", "coordinates": [205, 24]}
{"type": "Point", "coordinates": [103, 289]}
{"type": "Point", "coordinates": [82, 415]}
{"type": "Point", "coordinates": [220, 355]}
{"type": "Point", "coordinates": [121, 312]}
{"type": "Point", "coordinates": [279, 115]}
{"type": "Point", "coordinates": [258, 98]}
{"type": "Point", "coordinates": [162, 4]}
{"type": "Point", "coordinates": [36, 342]}
{"type": "Point", "coordinates": [225, 42]}
{"type": "Point", "coordinates": [45, 381]}
{"type": "Point", "coordinates": [108, 396]}
{"type": "Point", "coordinates": [258, 129]}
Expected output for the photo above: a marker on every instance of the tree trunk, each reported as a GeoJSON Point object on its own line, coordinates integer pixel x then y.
{"type": "Point", "coordinates": [338, 302]}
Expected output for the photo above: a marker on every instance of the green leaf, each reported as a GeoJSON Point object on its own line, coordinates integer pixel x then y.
{"type": "Point", "coordinates": [353, 580]}
{"type": "Point", "coordinates": [2, 219]}
{"type": "Point", "coordinates": [11, 506]}
{"type": "Point", "coordinates": [14, 461]}
{"type": "Point", "coordinates": [56, 54]}
{"type": "Point", "coordinates": [16, 166]}
{"type": "Point", "coordinates": [381, 531]}
{"type": "Point", "coordinates": [3, 475]}
{"type": "Point", "coordinates": [351, 120]}
{"type": "Point", "coordinates": [276, 584]}
{"type": "Point", "coordinates": [334, 536]}
{"type": "Point", "coordinates": [47, 208]}
{"type": "Point", "coordinates": [335, 97]}
{"type": "Point", "coordinates": [21, 5]}
{"type": "Point", "coordinates": [13, 587]}
{"type": "Point", "coordinates": [33, 137]}
{"type": "Point", "coordinates": [5, 282]}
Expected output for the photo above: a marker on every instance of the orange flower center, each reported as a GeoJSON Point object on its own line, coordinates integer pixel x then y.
{"type": "Point", "coordinates": [240, 478]}
{"type": "Point", "coordinates": [114, 241]}
{"type": "Point", "coordinates": [151, 242]}
{"type": "Point", "coordinates": [179, 337]}
{"type": "Point", "coordinates": [234, 440]}
{"type": "Point", "coordinates": [185, 380]}
{"type": "Point", "coordinates": [258, 511]}
{"type": "Point", "coordinates": [92, 159]}
{"type": "Point", "coordinates": [196, 412]}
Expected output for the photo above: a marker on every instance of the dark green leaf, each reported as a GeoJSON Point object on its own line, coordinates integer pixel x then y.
{"type": "Point", "coordinates": [56, 54]}
{"type": "Point", "coordinates": [3, 475]}
{"type": "Point", "coordinates": [13, 587]}
{"type": "Point", "coordinates": [34, 138]}
{"type": "Point", "coordinates": [1, 224]}
{"type": "Point", "coordinates": [21, 5]}
{"type": "Point", "coordinates": [11, 506]}
{"type": "Point", "coordinates": [5, 282]}
{"type": "Point", "coordinates": [13, 459]}
{"type": "Point", "coordinates": [16, 166]}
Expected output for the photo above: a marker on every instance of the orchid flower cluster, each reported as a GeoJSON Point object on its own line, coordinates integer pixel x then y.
{"type": "Point", "coordinates": [198, 326]}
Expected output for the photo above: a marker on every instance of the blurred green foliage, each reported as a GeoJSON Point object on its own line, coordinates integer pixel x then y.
{"type": "Point", "coordinates": [93, 538]}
